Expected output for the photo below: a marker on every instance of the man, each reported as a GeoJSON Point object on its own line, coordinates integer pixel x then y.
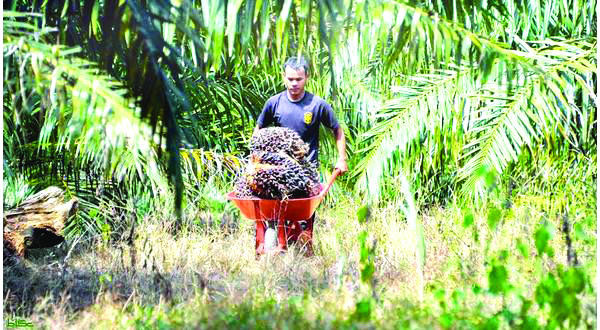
{"type": "Point", "coordinates": [303, 112]}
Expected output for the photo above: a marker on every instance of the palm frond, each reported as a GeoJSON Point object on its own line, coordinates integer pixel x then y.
{"type": "Point", "coordinates": [154, 47]}
{"type": "Point", "coordinates": [542, 106]}
{"type": "Point", "coordinates": [199, 165]}
{"type": "Point", "coordinates": [223, 110]}
{"type": "Point", "coordinates": [419, 107]}
{"type": "Point", "coordinates": [72, 96]}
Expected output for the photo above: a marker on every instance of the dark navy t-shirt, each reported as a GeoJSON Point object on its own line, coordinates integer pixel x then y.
{"type": "Point", "coordinates": [303, 116]}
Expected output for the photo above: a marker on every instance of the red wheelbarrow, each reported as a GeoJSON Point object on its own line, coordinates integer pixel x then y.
{"type": "Point", "coordinates": [286, 214]}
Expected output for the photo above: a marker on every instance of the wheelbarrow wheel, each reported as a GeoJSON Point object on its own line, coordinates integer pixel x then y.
{"type": "Point", "coordinates": [263, 245]}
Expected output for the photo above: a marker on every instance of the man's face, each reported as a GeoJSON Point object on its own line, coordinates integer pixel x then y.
{"type": "Point", "coordinates": [294, 81]}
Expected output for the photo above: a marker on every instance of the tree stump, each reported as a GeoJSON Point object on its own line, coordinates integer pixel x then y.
{"type": "Point", "coordinates": [38, 222]}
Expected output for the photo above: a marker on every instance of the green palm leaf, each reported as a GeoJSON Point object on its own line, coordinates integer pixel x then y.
{"type": "Point", "coordinates": [541, 107]}
{"type": "Point", "coordinates": [418, 109]}
{"type": "Point", "coordinates": [73, 96]}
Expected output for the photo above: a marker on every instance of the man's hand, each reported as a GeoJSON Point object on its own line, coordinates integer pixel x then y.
{"type": "Point", "coordinates": [340, 142]}
{"type": "Point", "coordinates": [341, 165]}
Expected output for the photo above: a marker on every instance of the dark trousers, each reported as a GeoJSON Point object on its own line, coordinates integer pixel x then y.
{"type": "Point", "coordinates": [301, 230]}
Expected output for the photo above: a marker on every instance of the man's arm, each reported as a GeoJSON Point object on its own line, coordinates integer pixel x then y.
{"type": "Point", "coordinates": [265, 118]}
{"type": "Point", "coordinates": [340, 142]}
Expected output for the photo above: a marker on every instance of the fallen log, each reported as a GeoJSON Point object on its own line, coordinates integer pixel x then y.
{"type": "Point", "coordinates": [38, 222]}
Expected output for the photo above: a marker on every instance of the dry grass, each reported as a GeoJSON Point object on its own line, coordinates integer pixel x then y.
{"type": "Point", "coordinates": [202, 273]}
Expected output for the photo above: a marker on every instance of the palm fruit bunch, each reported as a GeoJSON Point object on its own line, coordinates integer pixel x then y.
{"type": "Point", "coordinates": [280, 140]}
{"type": "Point", "coordinates": [278, 167]}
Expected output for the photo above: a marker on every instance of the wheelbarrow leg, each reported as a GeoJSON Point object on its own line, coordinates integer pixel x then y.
{"type": "Point", "coordinates": [281, 235]}
{"type": "Point", "coordinates": [260, 238]}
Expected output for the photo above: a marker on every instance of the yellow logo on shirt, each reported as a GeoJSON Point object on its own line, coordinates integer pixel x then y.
{"type": "Point", "coordinates": [307, 117]}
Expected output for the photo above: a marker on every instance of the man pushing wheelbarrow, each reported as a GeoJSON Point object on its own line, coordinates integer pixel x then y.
{"type": "Point", "coordinates": [301, 112]}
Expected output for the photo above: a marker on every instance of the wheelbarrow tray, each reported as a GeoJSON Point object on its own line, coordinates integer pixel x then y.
{"type": "Point", "coordinates": [295, 209]}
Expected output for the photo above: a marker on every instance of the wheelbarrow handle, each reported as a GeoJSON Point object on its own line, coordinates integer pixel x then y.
{"type": "Point", "coordinates": [334, 175]}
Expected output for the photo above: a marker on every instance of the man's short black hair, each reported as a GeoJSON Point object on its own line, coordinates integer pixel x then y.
{"type": "Point", "coordinates": [296, 62]}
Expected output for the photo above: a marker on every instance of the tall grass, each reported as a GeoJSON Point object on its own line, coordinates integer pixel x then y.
{"type": "Point", "coordinates": [208, 276]}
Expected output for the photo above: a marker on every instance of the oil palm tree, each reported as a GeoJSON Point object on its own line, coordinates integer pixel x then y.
{"type": "Point", "coordinates": [407, 78]}
{"type": "Point", "coordinates": [512, 93]}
